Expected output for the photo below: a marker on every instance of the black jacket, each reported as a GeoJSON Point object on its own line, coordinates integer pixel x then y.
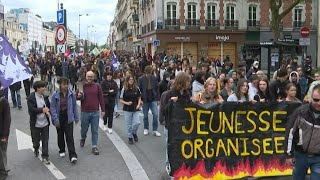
{"type": "Point", "coordinates": [143, 83]}
{"type": "Point", "coordinates": [166, 104]}
{"type": "Point", "coordinates": [109, 97]}
{"type": "Point", "coordinates": [5, 118]}
{"type": "Point", "coordinates": [34, 110]}
{"type": "Point", "coordinates": [58, 68]}
{"type": "Point", "coordinates": [16, 86]}
{"type": "Point", "coordinates": [277, 90]}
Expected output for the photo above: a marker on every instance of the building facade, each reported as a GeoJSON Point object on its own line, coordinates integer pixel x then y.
{"type": "Point", "coordinates": [48, 37]}
{"type": "Point", "coordinates": [14, 32]}
{"type": "Point", "coordinates": [32, 23]}
{"type": "Point", "coordinates": [216, 29]}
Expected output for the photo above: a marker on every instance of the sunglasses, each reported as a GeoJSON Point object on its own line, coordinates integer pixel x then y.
{"type": "Point", "coordinates": [315, 100]}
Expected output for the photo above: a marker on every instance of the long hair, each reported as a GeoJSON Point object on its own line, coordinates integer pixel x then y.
{"type": "Point", "coordinates": [238, 93]}
{"type": "Point", "coordinates": [205, 91]}
{"type": "Point", "coordinates": [126, 84]}
{"type": "Point", "coordinates": [267, 94]}
{"type": "Point", "coordinates": [180, 81]}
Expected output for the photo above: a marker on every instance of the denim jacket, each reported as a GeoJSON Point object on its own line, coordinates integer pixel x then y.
{"type": "Point", "coordinates": [72, 107]}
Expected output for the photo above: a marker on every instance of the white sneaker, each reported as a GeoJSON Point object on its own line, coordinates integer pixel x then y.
{"type": "Point", "coordinates": [105, 128]}
{"type": "Point", "coordinates": [74, 160]}
{"type": "Point", "coordinates": [110, 131]}
{"type": "Point", "coordinates": [62, 154]}
{"type": "Point", "coordinates": [145, 132]}
{"type": "Point", "coordinates": [156, 133]}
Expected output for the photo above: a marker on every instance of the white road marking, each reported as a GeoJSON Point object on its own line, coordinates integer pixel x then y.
{"type": "Point", "coordinates": [24, 142]}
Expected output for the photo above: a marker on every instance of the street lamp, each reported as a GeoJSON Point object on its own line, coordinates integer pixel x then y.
{"type": "Point", "coordinates": [88, 31]}
{"type": "Point", "coordinates": [79, 23]}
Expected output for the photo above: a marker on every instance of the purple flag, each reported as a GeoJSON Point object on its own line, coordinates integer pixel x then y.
{"type": "Point", "coordinates": [12, 66]}
{"type": "Point", "coordinates": [115, 62]}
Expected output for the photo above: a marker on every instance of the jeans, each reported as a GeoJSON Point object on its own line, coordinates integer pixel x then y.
{"type": "Point", "coordinates": [3, 159]}
{"type": "Point", "coordinates": [43, 135]}
{"type": "Point", "coordinates": [154, 109]}
{"type": "Point", "coordinates": [65, 133]}
{"type": "Point", "coordinates": [117, 102]}
{"type": "Point", "coordinates": [132, 122]}
{"type": "Point", "coordinates": [88, 118]}
{"type": "Point", "coordinates": [16, 98]}
{"type": "Point", "coordinates": [303, 162]}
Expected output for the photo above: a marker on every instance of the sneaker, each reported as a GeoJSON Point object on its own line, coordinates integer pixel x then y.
{"type": "Point", "coordinates": [145, 132]}
{"type": "Point", "coordinates": [156, 133]}
{"type": "Point", "coordinates": [82, 141]}
{"type": "Point", "coordinates": [105, 128]}
{"type": "Point", "coordinates": [117, 115]}
{"type": "Point", "coordinates": [95, 151]}
{"type": "Point", "coordinates": [168, 169]}
{"type": "Point", "coordinates": [109, 130]}
{"type": "Point", "coordinates": [130, 141]}
{"type": "Point", "coordinates": [62, 154]}
{"type": "Point", "coordinates": [36, 153]}
{"type": "Point", "coordinates": [46, 161]}
{"type": "Point", "coordinates": [19, 107]}
{"type": "Point", "coordinates": [74, 160]}
{"type": "Point", "coordinates": [135, 137]}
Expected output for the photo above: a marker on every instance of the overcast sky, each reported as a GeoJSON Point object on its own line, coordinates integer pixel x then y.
{"type": "Point", "coordinates": [101, 13]}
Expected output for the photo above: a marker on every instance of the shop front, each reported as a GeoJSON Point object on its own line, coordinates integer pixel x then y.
{"type": "Point", "coordinates": [213, 45]}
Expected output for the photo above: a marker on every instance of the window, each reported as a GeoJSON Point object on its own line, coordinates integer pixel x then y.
{"type": "Point", "coordinates": [211, 12]}
{"type": "Point", "coordinates": [171, 11]}
{"type": "Point", "coordinates": [297, 17]}
{"type": "Point", "coordinates": [192, 15]}
{"type": "Point", "coordinates": [252, 13]}
{"type": "Point", "coordinates": [230, 12]}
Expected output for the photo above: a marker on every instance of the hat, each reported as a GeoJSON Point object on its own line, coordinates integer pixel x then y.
{"type": "Point", "coordinates": [282, 73]}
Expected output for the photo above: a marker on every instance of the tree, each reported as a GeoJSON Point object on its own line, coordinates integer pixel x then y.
{"type": "Point", "coordinates": [77, 48]}
{"type": "Point", "coordinates": [277, 17]}
{"type": "Point", "coordinates": [85, 46]}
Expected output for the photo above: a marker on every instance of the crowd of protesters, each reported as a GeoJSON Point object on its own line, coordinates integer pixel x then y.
{"type": "Point", "coordinates": [144, 82]}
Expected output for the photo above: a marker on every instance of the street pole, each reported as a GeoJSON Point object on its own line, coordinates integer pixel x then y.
{"type": "Point", "coordinates": [79, 26]}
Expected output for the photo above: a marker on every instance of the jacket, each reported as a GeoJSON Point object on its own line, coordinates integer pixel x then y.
{"type": "Point", "coordinates": [34, 110]}
{"type": "Point", "coordinates": [143, 87]}
{"type": "Point", "coordinates": [196, 87]}
{"type": "Point", "coordinates": [16, 86]}
{"type": "Point", "coordinates": [303, 132]}
{"type": "Point", "coordinates": [109, 97]}
{"type": "Point", "coordinates": [72, 107]}
{"type": "Point", "coordinates": [166, 104]}
{"type": "Point", "coordinates": [5, 118]}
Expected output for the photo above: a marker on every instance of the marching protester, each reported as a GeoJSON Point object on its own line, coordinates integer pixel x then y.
{"type": "Point", "coordinates": [242, 94]}
{"type": "Point", "coordinates": [5, 122]}
{"type": "Point", "coordinates": [178, 93]}
{"type": "Point", "coordinates": [117, 79]}
{"type": "Point", "coordinates": [209, 94]}
{"type": "Point", "coordinates": [91, 99]}
{"type": "Point", "coordinates": [27, 83]}
{"type": "Point", "coordinates": [302, 144]}
{"type": "Point", "coordinates": [148, 84]}
{"type": "Point", "coordinates": [263, 94]}
{"type": "Point", "coordinates": [109, 89]}
{"type": "Point", "coordinates": [64, 113]}
{"type": "Point", "coordinates": [15, 94]}
{"type": "Point", "coordinates": [291, 91]}
{"type": "Point", "coordinates": [130, 97]}
{"type": "Point", "coordinates": [277, 86]}
{"type": "Point", "coordinates": [228, 88]}
{"type": "Point", "coordinates": [197, 84]}
{"type": "Point", "coordinates": [73, 75]}
{"type": "Point", "coordinates": [38, 107]}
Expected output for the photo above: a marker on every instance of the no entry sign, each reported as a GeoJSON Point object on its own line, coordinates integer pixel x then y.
{"type": "Point", "coordinates": [304, 32]}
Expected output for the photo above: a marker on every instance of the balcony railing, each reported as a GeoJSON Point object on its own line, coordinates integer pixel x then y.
{"type": "Point", "coordinates": [231, 24]}
{"type": "Point", "coordinates": [253, 25]}
{"type": "Point", "coordinates": [212, 24]}
{"type": "Point", "coordinates": [298, 24]}
{"type": "Point", "coordinates": [192, 23]}
{"type": "Point", "coordinates": [172, 23]}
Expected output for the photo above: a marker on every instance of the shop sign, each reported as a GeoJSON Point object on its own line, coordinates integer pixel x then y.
{"type": "Point", "coordinates": [286, 40]}
{"type": "Point", "coordinates": [222, 38]}
{"type": "Point", "coordinates": [266, 43]}
{"type": "Point", "coordinates": [182, 38]}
